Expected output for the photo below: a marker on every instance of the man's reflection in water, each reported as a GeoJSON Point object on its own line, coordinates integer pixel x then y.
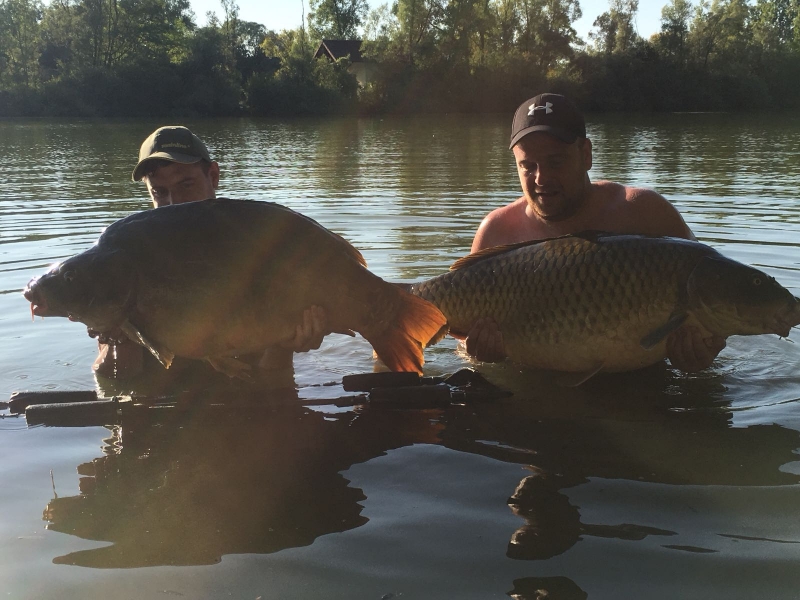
{"type": "Point", "coordinates": [186, 375]}
{"type": "Point", "coordinates": [546, 588]}
{"type": "Point", "coordinates": [185, 487]}
{"type": "Point", "coordinates": [649, 426]}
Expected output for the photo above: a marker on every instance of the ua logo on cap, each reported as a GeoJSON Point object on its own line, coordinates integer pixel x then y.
{"type": "Point", "coordinates": [547, 108]}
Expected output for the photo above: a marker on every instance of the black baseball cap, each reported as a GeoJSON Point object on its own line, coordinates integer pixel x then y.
{"type": "Point", "coordinates": [174, 143]}
{"type": "Point", "coordinates": [551, 113]}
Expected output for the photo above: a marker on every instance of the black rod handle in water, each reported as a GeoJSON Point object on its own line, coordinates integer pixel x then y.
{"type": "Point", "coordinates": [417, 396]}
{"type": "Point", "coordinates": [19, 401]}
{"type": "Point", "coordinates": [74, 414]}
{"type": "Point", "coordinates": [364, 382]}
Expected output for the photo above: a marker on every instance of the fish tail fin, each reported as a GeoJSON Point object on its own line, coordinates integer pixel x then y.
{"type": "Point", "coordinates": [417, 324]}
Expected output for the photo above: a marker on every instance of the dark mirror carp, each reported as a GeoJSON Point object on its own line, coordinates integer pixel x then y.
{"type": "Point", "coordinates": [217, 279]}
{"type": "Point", "coordinates": [604, 302]}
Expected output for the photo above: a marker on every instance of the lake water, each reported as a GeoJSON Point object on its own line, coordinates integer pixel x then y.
{"type": "Point", "coordinates": [647, 485]}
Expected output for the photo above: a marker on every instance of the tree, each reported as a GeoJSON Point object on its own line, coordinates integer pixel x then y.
{"type": "Point", "coordinates": [616, 30]}
{"type": "Point", "coordinates": [115, 32]}
{"type": "Point", "coordinates": [777, 24]}
{"type": "Point", "coordinates": [19, 39]}
{"type": "Point", "coordinates": [336, 19]}
{"type": "Point", "coordinates": [418, 23]}
{"type": "Point", "coordinates": [719, 31]}
{"type": "Point", "coordinates": [675, 19]}
{"type": "Point", "coordinates": [545, 29]}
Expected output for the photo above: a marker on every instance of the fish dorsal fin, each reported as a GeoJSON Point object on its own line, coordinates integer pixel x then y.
{"type": "Point", "coordinates": [475, 257]}
{"type": "Point", "coordinates": [654, 337]}
{"type": "Point", "coordinates": [351, 250]}
{"type": "Point", "coordinates": [480, 255]}
{"type": "Point", "coordinates": [163, 355]}
{"type": "Point", "coordinates": [348, 248]}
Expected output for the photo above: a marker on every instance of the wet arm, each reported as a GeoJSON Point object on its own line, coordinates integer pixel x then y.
{"type": "Point", "coordinates": [655, 215]}
{"type": "Point", "coordinates": [310, 333]}
{"type": "Point", "coordinates": [308, 336]}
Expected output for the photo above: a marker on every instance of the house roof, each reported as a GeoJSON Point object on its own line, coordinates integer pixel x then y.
{"type": "Point", "coordinates": [335, 49]}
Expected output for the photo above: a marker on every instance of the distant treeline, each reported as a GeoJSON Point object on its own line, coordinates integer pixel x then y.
{"type": "Point", "coordinates": [149, 57]}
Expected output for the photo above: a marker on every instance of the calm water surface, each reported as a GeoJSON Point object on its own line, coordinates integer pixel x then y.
{"type": "Point", "coordinates": [646, 485]}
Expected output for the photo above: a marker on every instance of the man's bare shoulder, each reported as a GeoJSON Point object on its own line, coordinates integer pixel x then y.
{"type": "Point", "coordinates": [630, 209]}
{"type": "Point", "coordinates": [510, 210]}
{"type": "Point", "coordinates": [616, 194]}
{"type": "Point", "coordinates": [643, 195]}
{"type": "Point", "coordinates": [654, 214]}
{"type": "Point", "coordinates": [501, 225]}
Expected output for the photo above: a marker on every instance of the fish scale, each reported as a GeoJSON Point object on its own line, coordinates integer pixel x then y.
{"type": "Point", "coordinates": [589, 302]}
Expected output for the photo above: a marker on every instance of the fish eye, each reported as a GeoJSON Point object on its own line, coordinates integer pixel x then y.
{"type": "Point", "coordinates": [69, 276]}
{"type": "Point", "coordinates": [756, 280]}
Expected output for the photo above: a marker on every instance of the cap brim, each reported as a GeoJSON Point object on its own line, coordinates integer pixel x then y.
{"type": "Point", "coordinates": [565, 136]}
{"type": "Point", "coordinates": [185, 159]}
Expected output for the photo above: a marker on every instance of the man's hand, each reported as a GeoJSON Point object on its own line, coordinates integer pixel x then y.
{"type": "Point", "coordinates": [310, 333]}
{"type": "Point", "coordinates": [689, 351]}
{"type": "Point", "coordinates": [113, 337]}
{"type": "Point", "coordinates": [485, 341]}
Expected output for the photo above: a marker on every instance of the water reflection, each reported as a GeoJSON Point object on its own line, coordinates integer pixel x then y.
{"type": "Point", "coordinates": [231, 473]}
{"type": "Point", "coordinates": [540, 588]}
{"type": "Point", "coordinates": [650, 426]}
{"type": "Point", "coordinates": [180, 487]}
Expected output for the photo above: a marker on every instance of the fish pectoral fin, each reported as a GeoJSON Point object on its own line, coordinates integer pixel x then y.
{"type": "Point", "coordinates": [163, 355]}
{"type": "Point", "coordinates": [232, 367]}
{"type": "Point", "coordinates": [660, 333]}
{"type": "Point", "coordinates": [574, 379]}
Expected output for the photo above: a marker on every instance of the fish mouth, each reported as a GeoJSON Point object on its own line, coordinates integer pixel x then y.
{"type": "Point", "coordinates": [788, 319]}
{"type": "Point", "coordinates": [38, 302]}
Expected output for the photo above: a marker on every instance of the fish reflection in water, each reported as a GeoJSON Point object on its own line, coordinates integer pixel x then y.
{"type": "Point", "coordinates": [191, 487]}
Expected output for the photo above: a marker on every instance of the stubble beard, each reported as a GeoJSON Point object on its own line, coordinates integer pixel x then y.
{"type": "Point", "coordinates": [569, 207]}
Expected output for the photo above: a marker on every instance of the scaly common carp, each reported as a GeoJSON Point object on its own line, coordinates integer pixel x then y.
{"type": "Point", "coordinates": [604, 302]}
{"type": "Point", "coordinates": [221, 278]}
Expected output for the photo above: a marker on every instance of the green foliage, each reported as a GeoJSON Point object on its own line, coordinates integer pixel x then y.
{"type": "Point", "coordinates": [675, 19]}
{"type": "Point", "coordinates": [616, 29]}
{"type": "Point", "coordinates": [336, 19]}
{"type": "Point", "coordinates": [19, 33]}
{"type": "Point", "coordinates": [148, 57]}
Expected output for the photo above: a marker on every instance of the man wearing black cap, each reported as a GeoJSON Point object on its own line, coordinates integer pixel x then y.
{"type": "Point", "coordinates": [553, 158]}
{"type": "Point", "coordinates": [176, 167]}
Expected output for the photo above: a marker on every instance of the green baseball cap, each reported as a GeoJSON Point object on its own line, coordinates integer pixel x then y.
{"type": "Point", "coordinates": [174, 143]}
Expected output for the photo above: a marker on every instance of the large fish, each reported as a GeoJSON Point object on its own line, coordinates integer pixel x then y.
{"type": "Point", "coordinates": [222, 278]}
{"type": "Point", "coordinates": [604, 302]}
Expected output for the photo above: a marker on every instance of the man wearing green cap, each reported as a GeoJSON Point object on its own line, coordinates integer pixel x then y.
{"type": "Point", "coordinates": [176, 167]}
{"type": "Point", "coordinates": [553, 157]}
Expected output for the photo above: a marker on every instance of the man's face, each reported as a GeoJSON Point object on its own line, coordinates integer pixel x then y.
{"type": "Point", "coordinates": [553, 174]}
{"type": "Point", "coordinates": [176, 183]}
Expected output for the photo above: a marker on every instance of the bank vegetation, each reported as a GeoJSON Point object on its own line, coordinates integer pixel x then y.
{"type": "Point", "coordinates": [150, 57]}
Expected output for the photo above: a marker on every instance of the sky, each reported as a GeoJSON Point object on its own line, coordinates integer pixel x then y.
{"type": "Point", "coordinates": [287, 14]}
